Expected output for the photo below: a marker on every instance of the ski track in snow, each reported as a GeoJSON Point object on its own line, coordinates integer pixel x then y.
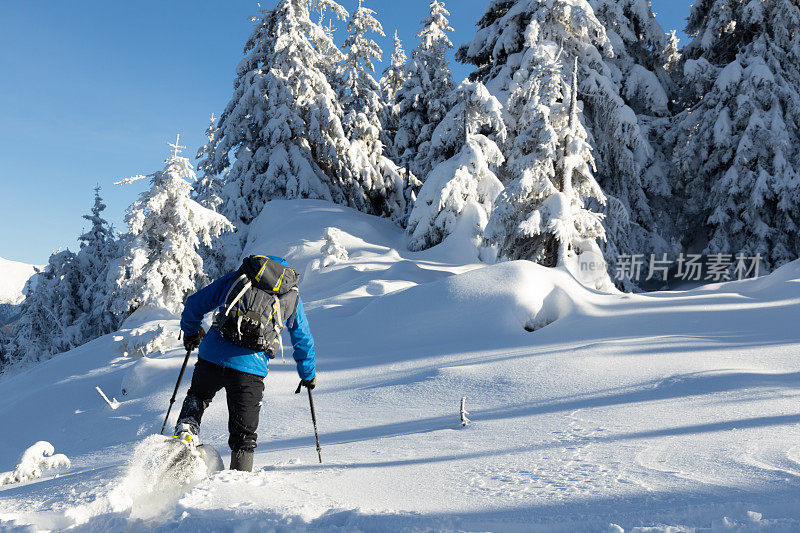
{"type": "Point", "coordinates": [674, 411]}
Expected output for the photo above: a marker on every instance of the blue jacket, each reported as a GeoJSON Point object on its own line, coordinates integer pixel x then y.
{"type": "Point", "coordinates": [215, 349]}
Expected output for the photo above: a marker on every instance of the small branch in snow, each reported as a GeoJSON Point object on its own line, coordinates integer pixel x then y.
{"type": "Point", "coordinates": [113, 404]}
{"type": "Point", "coordinates": [464, 412]}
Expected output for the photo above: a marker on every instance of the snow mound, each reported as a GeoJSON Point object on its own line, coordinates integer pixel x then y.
{"type": "Point", "coordinates": [402, 299]}
{"type": "Point", "coordinates": [777, 280]}
{"type": "Point", "coordinates": [13, 277]}
{"type": "Point", "coordinates": [33, 461]}
{"type": "Point", "coordinates": [148, 330]}
{"type": "Point", "coordinates": [476, 307]}
{"type": "Point", "coordinates": [333, 250]}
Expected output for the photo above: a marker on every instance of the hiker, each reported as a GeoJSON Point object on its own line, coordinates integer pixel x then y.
{"type": "Point", "coordinates": [254, 303]}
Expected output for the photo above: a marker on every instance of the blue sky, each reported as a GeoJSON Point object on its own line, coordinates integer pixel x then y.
{"type": "Point", "coordinates": [91, 91]}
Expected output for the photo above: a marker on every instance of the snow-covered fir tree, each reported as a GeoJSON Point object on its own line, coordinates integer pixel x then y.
{"type": "Point", "coordinates": [282, 126]}
{"type": "Point", "coordinates": [360, 92]}
{"type": "Point", "coordinates": [570, 221]}
{"type": "Point", "coordinates": [422, 100]}
{"type": "Point", "coordinates": [207, 191]}
{"type": "Point", "coordinates": [99, 252]}
{"type": "Point", "coordinates": [394, 75]}
{"type": "Point", "coordinates": [644, 67]}
{"type": "Point", "coordinates": [362, 105]}
{"type": "Point", "coordinates": [472, 110]}
{"type": "Point", "coordinates": [621, 147]}
{"type": "Point", "coordinates": [542, 214]}
{"type": "Point", "coordinates": [47, 323]}
{"type": "Point", "coordinates": [643, 53]}
{"type": "Point", "coordinates": [208, 188]}
{"type": "Point", "coordinates": [160, 264]}
{"type": "Point", "coordinates": [465, 185]}
{"type": "Point", "coordinates": [70, 302]}
{"type": "Point", "coordinates": [737, 145]}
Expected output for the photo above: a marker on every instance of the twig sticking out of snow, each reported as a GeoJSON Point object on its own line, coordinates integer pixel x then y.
{"type": "Point", "coordinates": [464, 412]}
{"type": "Point", "coordinates": [113, 404]}
{"type": "Point", "coordinates": [35, 459]}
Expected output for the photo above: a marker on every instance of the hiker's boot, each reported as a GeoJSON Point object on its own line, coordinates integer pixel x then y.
{"type": "Point", "coordinates": [242, 460]}
{"type": "Point", "coordinates": [187, 433]}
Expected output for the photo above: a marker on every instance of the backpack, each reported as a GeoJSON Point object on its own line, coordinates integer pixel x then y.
{"type": "Point", "coordinates": [262, 296]}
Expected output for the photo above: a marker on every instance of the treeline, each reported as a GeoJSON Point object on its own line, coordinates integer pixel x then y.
{"type": "Point", "coordinates": [582, 127]}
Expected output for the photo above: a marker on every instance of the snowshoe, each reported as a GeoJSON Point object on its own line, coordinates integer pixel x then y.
{"type": "Point", "coordinates": [188, 449]}
{"type": "Point", "coordinates": [163, 462]}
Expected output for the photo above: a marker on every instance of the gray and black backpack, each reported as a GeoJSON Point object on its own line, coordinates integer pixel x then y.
{"type": "Point", "coordinates": [263, 295]}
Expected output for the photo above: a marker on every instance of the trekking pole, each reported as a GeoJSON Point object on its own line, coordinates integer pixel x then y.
{"type": "Point", "coordinates": [175, 392]}
{"type": "Point", "coordinates": [313, 419]}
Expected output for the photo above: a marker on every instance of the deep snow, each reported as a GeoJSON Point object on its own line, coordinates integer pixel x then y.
{"type": "Point", "coordinates": [670, 409]}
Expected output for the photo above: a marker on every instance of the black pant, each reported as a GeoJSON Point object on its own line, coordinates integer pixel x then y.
{"type": "Point", "coordinates": [244, 393]}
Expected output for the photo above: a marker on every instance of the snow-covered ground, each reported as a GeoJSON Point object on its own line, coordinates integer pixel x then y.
{"type": "Point", "coordinates": [672, 411]}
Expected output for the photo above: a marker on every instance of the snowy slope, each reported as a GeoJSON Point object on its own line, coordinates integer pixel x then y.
{"type": "Point", "coordinates": [13, 276]}
{"type": "Point", "coordinates": [675, 409]}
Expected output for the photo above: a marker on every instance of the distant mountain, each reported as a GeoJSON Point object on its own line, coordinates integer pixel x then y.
{"type": "Point", "coordinates": [13, 276]}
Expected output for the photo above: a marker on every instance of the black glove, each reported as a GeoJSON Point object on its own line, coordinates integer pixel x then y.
{"type": "Point", "coordinates": [307, 383]}
{"type": "Point", "coordinates": [191, 342]}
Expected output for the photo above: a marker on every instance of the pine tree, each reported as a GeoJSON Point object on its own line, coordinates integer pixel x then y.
{"type": "Point", "coordinates": [394, 75]}
{"type": "Point", "coordinates": [643, 66]}
{"type": "Point", "coordinates": [28, 338]}
{"type": "Point", "coordinates": [621, 147]}
{"type": "Point", "coordinates": [47, 323]}
{"type": "Point", "coordinates": [283, 124]}
{"type": "Point", "coordinates": [642, 54]}
{"type": "Point", "coordinates": [572, 223]}
{"type": "Point", "coordinates": [422, 100]}
{"type": "Point", "coordinates": [207, 190]}
{"type": "Point", "coordinates": [361, 102]}
{"type": "Point", "coordinates": [737, 143]}
{"type": "Point", "coordinates": [464, 184]}
{"type": "Point", "coordinates": [542, 215]}
{"type": "Point", "coordinates": [472, 110]}
{"type": "Point", "coordinates": [360, 91]}
{"type": "Point", "coordinates": [99, 251]}
{"type": "Point", "coordinates": [517, 228]}
{"type": "Point", "coordinates": [69, 302]}
{"type": "Point", "coordinates": [160, 265]}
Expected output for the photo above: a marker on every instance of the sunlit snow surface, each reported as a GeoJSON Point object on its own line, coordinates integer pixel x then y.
{"type": "Point", "coordinates": [669, 410]}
